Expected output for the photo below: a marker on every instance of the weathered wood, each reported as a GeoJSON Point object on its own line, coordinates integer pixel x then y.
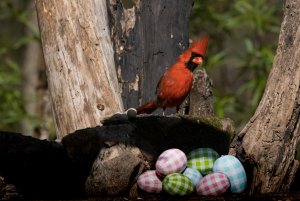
{"type": "Point", "coordinates": [201, 96]}
{"type": "Point", "coordinates": [114, 171]}
{"type": "Point", "coordinates": [80, 62]}
{"type": "Point", "coordinates": [268, 141]}
{"type": "Point", "coordinates": [147, 40]}
{"type": "Point", "coordinates": [151, 135]}
{"type": "Point", "coordinates": [40, 168]}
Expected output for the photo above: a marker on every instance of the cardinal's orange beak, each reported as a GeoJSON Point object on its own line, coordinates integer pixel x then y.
{"type": "Point", "coordinates": [197, 60]}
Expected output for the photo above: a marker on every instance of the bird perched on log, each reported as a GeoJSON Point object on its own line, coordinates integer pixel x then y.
{"type": "Point", "coordinates": [174, 86]}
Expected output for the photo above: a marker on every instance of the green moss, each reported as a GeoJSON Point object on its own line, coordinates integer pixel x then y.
{"type": "Point", "coordinates": [214, 122]}
{"type": "Point", "coordinates": [184, 132]}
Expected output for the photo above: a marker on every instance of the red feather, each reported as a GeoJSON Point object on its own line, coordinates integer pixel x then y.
{"type": "Point", "coordinates": [174, 86]}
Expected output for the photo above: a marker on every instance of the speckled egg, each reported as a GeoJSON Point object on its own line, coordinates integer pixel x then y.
{"type": "Point", "coordinates": [150, 182]}
{"type": "Point", "coordinates": [194, 175]}
{"type": "Point", "coordinates": [202, 159]}
{"type": "Point", "coordinates": [177, 184]}
{"type": "Point", "coordinates": [234, 170]}
{"type": "Point", "coordinates": [213, 184]}
{"type": "Point", "coordinates": [171, 161]}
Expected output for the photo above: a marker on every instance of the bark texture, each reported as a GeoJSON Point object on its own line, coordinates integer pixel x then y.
{"type": "Point", "coordinates": [80, 62]}
{"type": "Point", "coordinates": [148, 37]}
{"type": "Point", "coordinates": [201, 96]}
{"type": "Point", "coordinates": [268, 141]}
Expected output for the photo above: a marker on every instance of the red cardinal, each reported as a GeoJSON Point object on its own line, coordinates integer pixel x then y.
{"type": "Point", "coordinates": [174, 86]}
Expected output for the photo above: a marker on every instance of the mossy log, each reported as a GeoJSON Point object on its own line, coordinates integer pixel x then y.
{"type": "Point", "coordinates": [122, 148]}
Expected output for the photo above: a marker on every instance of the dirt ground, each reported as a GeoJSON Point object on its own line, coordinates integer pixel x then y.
{"type": "Point", "coordinates": [238, 197]}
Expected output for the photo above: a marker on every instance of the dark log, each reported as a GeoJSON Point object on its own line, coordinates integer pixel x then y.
{"type": "Point", "coordinates": [143, 138]}
{"type": "Point", "coordinates": [46, 169]}
{"type": "Point", "coordinates": [8, 191]}
{"type": "Point", "coordinates": [39, 168]}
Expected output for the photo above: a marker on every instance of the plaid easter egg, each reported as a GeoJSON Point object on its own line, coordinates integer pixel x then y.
{"type": "Point", "coordinates": [149, 182]}
{"type": "Point", "coordinates": [194, 175]}
{"type": "Point", "coordinates": [213, 184]}
{"type": "Point", "coordinates": [202, 159]}
{"type": "Point", "coordinates": [234, 170]}
{"type": "Point", "coordinates": [177, 184]}
{"type": "Point", "coordinates": [171, 161]}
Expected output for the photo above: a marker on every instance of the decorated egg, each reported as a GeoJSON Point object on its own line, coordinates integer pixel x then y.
{"type": "Point", "coordinates": [202, 159]}
{"type": "Point", "coordinates": [213, 184]}
{"type": "Point", "coordinates": [149, 182]}
{"type": "Point", "coordinates": [234, 170]}
{"type": "Point", "coordinates": [194, 175]}
{"type": "Point", "coordinates": [177, 184]}
{"type": "Point", "coordinates": [171, 161]}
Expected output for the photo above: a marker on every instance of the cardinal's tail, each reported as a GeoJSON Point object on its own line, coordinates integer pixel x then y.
{"type": "Point", "coordinates": [147, 108]}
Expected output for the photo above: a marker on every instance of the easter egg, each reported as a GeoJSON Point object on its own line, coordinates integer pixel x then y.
{"type": "Point", "coordinates": [177, 184]}
{"type": "Point", "coordinates": [202, 159]}
{"type": "Point", "coordinates": [149, 182]}
{"type": "Point", "coordinates": [234, 170]}
{"type": "Point", "coordinates": [171, 161]}
{"type": "Point", "coordinates": [213, 184]}
{"type": "Point", "coordinates": [194, 175]}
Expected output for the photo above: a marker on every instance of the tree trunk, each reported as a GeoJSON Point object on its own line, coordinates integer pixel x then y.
{"type": "Point", "coordinates": [80, 62]}
{"type": "Point", "coordinates": [148, 38]}
{"type": "Point", "coordinates": [268, 141]}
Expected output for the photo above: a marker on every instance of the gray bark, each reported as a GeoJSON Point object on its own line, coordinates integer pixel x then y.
{"type": "Point", "coordinates": [80, 62]}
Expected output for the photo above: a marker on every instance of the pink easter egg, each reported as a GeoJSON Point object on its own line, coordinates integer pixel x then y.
{"type": "Point", "coordinates": [213, 184]}
{"type": "Point", "coordinates": [171, 161]}
{"type": "Point", "coordinates": [149, 182]}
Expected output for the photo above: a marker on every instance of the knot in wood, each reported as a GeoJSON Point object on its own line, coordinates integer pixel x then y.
{"type": "Point", "coordinates": [100, 106]}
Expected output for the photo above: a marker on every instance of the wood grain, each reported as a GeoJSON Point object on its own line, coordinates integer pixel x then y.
{"type": "Point", "coordinates": [80, 62]}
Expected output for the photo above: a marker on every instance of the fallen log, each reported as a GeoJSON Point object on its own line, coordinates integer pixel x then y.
{"type": "Point", "coordinates": [106, 160]}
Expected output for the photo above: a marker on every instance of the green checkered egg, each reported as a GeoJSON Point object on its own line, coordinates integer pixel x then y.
{"type": "Point", "coordinates": [202, 159]}
{"type": "Point", "coordinates": [177, 184]}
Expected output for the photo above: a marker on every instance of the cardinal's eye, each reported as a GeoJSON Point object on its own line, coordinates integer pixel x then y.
{"type": "Point", "coordinates": [197, 60]}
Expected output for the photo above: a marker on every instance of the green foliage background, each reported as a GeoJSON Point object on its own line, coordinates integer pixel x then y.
{"type": "Point", "coordinates": [243, 39]}
{"type": "Point", "coordinates": [13, 20]}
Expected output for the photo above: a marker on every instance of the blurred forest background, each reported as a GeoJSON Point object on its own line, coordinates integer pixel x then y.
{"type": "Point", "coordinates": [243, 40]}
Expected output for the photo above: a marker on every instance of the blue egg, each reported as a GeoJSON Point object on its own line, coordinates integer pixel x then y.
{"type": "Point", "coordinates": [194, 175]}
{"type": "Point", "coordinates": [234, 170]}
